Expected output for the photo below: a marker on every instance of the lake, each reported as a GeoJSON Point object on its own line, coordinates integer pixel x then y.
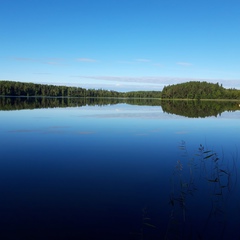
{"type": "Point", "coordinates": [119, 169]}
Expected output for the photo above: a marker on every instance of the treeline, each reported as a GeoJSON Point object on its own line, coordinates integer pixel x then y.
{"type": "Point", "coordinates": [199, 90]}
{"type": "Point", "coordinates": [188, 90]}
{"type": "Point", "coordinates": [11, 88]}
{"type": "Point", "coordinates": [143, 94]}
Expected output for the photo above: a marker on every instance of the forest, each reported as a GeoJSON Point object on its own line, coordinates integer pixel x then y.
{"type": "Point", "coordinates": [12, 88]}
{"type": "Point", "coordinates": [189, 90]}
{"type": "Point", "coordinates": [199, 90]}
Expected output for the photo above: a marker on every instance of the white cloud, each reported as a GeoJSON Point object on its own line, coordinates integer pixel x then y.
{"type": "Point", "coordinates": [86, 60]}
{"type": "Point", "coordinates": [144, 79]}
{"type": "Point", "coordinates": [49, 61]}
{"type": "Point", "coordinates": [126, 62]}
{"type": "Point", "coordinates": [149, 82]}
{"type": "Point", "coordinates": [53, 63]}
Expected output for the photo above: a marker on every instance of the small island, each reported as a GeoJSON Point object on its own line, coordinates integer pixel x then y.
{"type": "Point", "coordinates": [199, 90]}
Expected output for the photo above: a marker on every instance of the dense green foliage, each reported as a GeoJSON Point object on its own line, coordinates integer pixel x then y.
{"type": "Point", "coordinates": [10, 88]}
{"type": "Point", "coordinates": [143, 94]}
{"type": "Point", "coordinates": [188, 90]}
{"type": "Point", "coordinates": [199, 90]}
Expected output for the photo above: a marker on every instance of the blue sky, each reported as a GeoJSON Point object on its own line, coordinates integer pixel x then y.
{"type": "Point", "coordinates": [121, 45]}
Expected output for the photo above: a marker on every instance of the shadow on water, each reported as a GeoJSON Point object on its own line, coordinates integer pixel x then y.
{"type": "Point", "coordinates": [191, 109]}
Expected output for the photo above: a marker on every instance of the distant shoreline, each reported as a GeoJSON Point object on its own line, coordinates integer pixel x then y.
{"type": "Point", "coordinates": [188, 91]}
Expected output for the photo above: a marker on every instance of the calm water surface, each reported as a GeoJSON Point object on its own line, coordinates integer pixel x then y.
{"type": "Point", "coordinates": [118, 172]}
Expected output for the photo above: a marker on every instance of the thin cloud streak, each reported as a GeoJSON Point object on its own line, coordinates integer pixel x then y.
{"type": "Point", "coordinates": [55, 63]}
{"type": "Point", "coordinates": [22, 131]}
{"type": "Point", "coordinates": [126, 62]}
{"type": "Point", "coordinates": [48, 61]}
{"type": "Point", "coordinates": [86, 60]}
{"type": "Point", "coordinates": [160, 81]}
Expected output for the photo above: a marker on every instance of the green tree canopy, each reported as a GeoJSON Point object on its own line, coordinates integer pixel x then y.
{"type": "Point", "coordinates": [199, 90]}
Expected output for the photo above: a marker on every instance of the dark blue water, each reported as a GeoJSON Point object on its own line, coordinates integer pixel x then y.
{"type": "Point", "coordinates": [111, 172]}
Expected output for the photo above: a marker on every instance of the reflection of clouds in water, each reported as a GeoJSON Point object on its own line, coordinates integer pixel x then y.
{"type": "Point", "coordinates": [49, 130]}
{"type": "Point", "coordinates": [153, 115]}
{"type": "Point", "coordinates": [128, 111]}
{"type": "Point", "coordinates": [230, 115]}
{"type": "Point", "coordinates": [37, 131]}
{"type": "Point", "coordinates": [59, 131]}
{"type": "Point", "coordinates": [42, 117]}
{"type": "Point", "coordinates": [144, 115]}
{"type": "Point", "coordinates": [54, 132]}
{"type": "Point", "coordinates": [23, 131]}
{"type": "Point", "coordinates": [121, 111]}
{"type": "Point", "coordinates": [117, 107]}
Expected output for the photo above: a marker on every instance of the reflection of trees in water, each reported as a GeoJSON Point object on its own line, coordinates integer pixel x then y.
{"type": "Point", "coordinates": [144, 102]}
{"type": "Point", "coordinates": [18, 103]}
{"type": "Point", "coordinates": [191, 109]}
{"type": "Point", "coordinates": [196, 109]}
